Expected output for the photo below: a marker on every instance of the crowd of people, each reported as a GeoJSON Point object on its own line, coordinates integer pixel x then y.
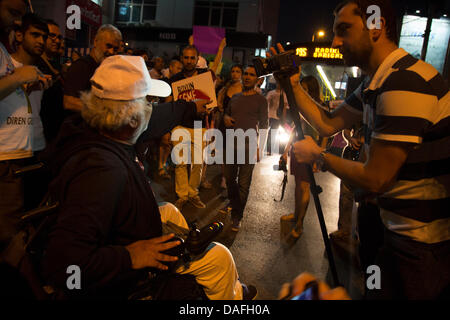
{"type": "Point", "coordinates": [102, 139]}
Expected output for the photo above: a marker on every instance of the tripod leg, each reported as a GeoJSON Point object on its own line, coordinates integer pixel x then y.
{"type": "Point", "coordinates": [286, 85]}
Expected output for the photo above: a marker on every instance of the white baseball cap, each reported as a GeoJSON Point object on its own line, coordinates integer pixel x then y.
{"type": "Point", "coordinates": [126, 78]}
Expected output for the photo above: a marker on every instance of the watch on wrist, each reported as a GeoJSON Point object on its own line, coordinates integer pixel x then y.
{"type": "Point", "coordinates": [321, 161]}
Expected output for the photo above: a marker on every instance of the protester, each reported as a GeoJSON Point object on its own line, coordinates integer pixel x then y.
{"type": "Point", "coordinates": [246, 110]}
{"type": "Point", "coordinates": [106, 43]}
{"type": "Point", "coordinates": [275, 104]}
{"type": "Point", "coordinates": [175, 67]}
{"type": "Point", "coordinates": [52, 111]}
{"type": "Point", "coordinates": [300, 170]}
{"type": "Point", "coordinates": [16, 135]}
{"type": "Point", "coordinates": [187, 188]}
{"type": "Point", "coordinates": [404, 104]}
{"type": "Point", "coordinates": [232, 87]}
{"type": "Point", "coordinates": [31, 38]}
{"type": "Point", "coordinates": [158, 65]}
{"type": "Point", "coordinates": [115, 242]}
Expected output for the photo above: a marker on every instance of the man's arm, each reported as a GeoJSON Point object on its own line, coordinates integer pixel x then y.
{"type": "Point", "coordinates": [20, 76]}
{"type": "Point", "coordinates": [376, 175]}
{"type": "Point", "coordinates": [327, 124]}
{"type": "Point", "coordinates": [72, 103]}
{"type": "Point", "coordinates": [219, 54]}
{"type": "Point", "coordinates": [77, 80]}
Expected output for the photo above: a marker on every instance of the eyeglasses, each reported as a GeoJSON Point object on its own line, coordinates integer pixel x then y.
{"type": "Point", "coordinates": [54, 36]}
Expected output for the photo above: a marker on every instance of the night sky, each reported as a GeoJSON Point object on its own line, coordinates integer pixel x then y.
{"type": "Point", "coordinates": [299, 19]}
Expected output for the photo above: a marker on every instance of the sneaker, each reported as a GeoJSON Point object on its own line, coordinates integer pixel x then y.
{"type": "Point", "coordinates": [236, 225]}
{"type": "Point", "coordinates": [226, 210]}
{"type": "Point", "coordinates": [180, 203]}
{"type": "Point", "coordinates": [196, 202]}
{"type": "Point", "coordinates": [249, 292]}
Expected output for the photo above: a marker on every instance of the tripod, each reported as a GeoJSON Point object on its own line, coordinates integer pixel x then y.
{"type": "Point", "coordinates": [284, 79]}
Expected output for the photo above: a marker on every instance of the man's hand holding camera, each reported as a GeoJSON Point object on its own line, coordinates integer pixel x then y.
{"type": "Point", "coordinates": [147, 253]}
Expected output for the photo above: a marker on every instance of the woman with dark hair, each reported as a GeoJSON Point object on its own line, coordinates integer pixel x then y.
{"type": "Point", "coordinates": [232, 87]}
{"type": "Point", "coordinates": [298, 170]}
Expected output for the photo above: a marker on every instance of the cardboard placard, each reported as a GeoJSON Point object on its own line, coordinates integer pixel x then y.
{"type": "Point", "coordinates": [197, 87]}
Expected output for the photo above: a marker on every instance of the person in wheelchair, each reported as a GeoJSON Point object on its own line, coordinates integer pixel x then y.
{"type": "Point", "coordinates": [109, 223]}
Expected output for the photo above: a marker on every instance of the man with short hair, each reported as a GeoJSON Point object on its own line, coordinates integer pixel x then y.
{"type": "Point", "coordinates": [158, 65]}
{"type": "Point", "coordinates": [405, 107]}
{"type": "Point", "coordinates": [52, 111]}
{"type": "Point", "coordinates": [247, 110]}
{"type": "Point", "coordinates": [175, 67]}
{"type": "Point", "coordinates": [109, 223]}
{"type": "Point", "coordinates": [106, 43]}
{"type": "Point", "coordinates": [16, 130]}
{"type": "Point", "coordinates": [187, 188]}
{"type": "Point", "coordinates": [31, 37]}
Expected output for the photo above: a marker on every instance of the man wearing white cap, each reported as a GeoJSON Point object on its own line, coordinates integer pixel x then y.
{"type": "Point", "coordinates": [109, 223]}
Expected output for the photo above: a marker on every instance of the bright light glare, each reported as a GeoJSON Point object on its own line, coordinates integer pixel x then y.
{"type": "Point", "coordinates": [326, 81]}
{"type": "Point", "coordinates": [321, 33]}
{"type": "Point", "coordinates": [355, 72]}
{"type": "Point", "coordinates": [282, 135]}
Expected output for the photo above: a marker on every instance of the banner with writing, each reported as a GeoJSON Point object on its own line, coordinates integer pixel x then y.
{"type": "Point", "coordinates": [194, 88]}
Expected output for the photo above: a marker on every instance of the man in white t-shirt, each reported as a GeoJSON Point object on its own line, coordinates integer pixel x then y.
{"type": "Point", "coordinates": [15, 122]}
{"type": "Point", "coordinates": [31, 38]}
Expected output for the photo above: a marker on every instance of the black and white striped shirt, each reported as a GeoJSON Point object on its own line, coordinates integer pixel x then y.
{"type": "Point", "coordinates": [408, 101]}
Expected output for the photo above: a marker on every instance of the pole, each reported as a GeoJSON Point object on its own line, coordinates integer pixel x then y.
{"type": "Point", "coordinates": [285, 83]}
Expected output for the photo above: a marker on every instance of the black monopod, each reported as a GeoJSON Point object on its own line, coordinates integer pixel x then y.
{"type": "Point", "coordinates": [284, 79]}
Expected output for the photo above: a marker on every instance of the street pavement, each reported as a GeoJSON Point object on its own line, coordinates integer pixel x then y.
{"type": "Point", "coordinates": [262, 256]}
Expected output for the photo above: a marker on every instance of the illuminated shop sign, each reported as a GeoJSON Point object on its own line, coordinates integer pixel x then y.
{"type": "Point", "coordinates": [319, 53]}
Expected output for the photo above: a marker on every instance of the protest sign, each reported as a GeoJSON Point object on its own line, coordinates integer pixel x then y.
{"type": "Point", "coordinates": [197, 87]}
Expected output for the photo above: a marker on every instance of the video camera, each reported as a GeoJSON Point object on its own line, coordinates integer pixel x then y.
{"type": "Point", "coordinates": [194, 244]}
{"type": "Point", "coordinates": [287, 62]}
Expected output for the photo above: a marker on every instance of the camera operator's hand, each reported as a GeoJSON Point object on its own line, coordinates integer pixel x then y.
{"type": "Point", "coordinates": [201, 106]}
{"type": "Point", "coordinates": [306, 150]}
{"type": "Point", "coordinates": [295, 78]}
{"type": "Point", "coordinates": [296, 287]}
{"type": "Point", "coordinates": [355, 143]}
{"type": "Point", "coordinates": [228, 121]}
{"type": "Point", "coordinates": [147, 253]}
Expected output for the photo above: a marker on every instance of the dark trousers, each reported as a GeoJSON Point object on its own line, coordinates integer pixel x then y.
{"type": "Point", "coordinates": [11, 199]}
{"type": "Point", "coordinates": [239, 178]}
{"type": "Point", "coordinates": [18, 193]}
{"type": "Point", "coordinates": [412, 270]}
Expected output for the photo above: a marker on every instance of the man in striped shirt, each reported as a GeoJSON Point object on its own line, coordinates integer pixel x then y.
{"type": "Point", "coordinates": [405, 107]}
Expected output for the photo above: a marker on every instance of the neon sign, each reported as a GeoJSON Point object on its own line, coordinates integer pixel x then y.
{"type": "Point", "coordinates": [318, 53]}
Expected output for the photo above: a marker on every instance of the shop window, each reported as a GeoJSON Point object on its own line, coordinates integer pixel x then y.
{"type": "Point", "coordinates": [216, 14]}
{"type": "Point", "coordinates": [136, 11]}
